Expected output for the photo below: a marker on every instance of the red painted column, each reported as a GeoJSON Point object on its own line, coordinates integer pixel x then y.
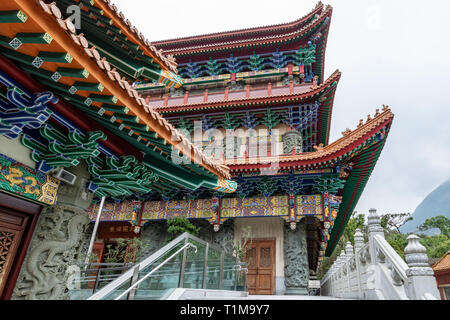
{"type": "Point", "coordinates": [166, 99]}
{"type": "Point", "coordinates": [269, 89]}
{"type": "Point", "coordinates": [186, 95]}
{"type": "Point", "coordinates": [205, 96]}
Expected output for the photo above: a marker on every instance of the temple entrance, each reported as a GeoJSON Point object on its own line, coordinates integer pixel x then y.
{"type": "Point", "coordinates": [260, 259]}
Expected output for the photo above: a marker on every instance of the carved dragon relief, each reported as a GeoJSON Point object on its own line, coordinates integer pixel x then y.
{"type": "Point", "coordinates": [52, 250]}
{"type": "Point", "coordinates": [296, 270]}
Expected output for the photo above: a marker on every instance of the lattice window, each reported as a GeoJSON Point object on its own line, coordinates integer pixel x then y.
{"type": "Point", "coordinates": [6, 242]}
{"type": "Point", "coordinates": [265, 259]}
{"type": "Point", "coordinates": [251, 258]}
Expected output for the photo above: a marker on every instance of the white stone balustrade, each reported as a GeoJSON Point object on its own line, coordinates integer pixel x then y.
{"type": "Point", "coordinates": [374, 271]}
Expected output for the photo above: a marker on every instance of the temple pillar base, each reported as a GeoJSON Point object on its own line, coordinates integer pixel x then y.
{"type": "Point", "coordinates": [296, 292]}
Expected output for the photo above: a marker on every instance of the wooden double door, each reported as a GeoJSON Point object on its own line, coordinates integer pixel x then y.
{"type": "Point", "coordinates": [260, 258]}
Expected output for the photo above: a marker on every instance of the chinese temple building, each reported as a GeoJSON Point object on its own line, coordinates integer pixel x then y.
{"type": "Point", "coordinates": [263, 93]}
{"type": "Point", "coordinates": [73, 129]}
{"type": "Point", "coordinates": [230, 130]}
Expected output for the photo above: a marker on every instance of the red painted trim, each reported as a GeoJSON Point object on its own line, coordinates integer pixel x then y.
{"type": "Point", "coordinates": [113, 142]}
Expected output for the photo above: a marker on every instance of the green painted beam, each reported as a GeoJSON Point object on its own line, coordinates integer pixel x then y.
{"type": "Point", "coordinates": [127, 118]}
{"type": "Point", "coordinates": [55, 57]}
{"type": "Point", "coordinates": [114, 108]}
{"type": "Point", "coordinates": [176, 174]}
{"type": "Point", "coordinates": [88, 86]}
{"type": "Point", "coordinates": [73, 73]}
{"type": "Point", "coordinates": [38, 72]}
{"type": "Point", "coordinates": [13, 16]}
{"type": "Point", "coordinates": [63, 88]}
{"type": "Point", "coordinates": [103, 98]}
{"type": "Point", "coordinates": [42, 38]}
{"type": "Point", "coordinates": [14, 55]}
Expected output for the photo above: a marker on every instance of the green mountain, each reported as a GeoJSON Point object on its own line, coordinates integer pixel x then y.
{"type": "Point", "coordinates": [437, 203]}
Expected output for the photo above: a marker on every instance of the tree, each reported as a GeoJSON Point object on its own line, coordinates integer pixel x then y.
{"type": "Point", "coordinates": [440, 222]}
{"type": "Point", "coordinates": [356, 221]}
{"type": "Point", "coordinates": [395, 220]}
{"type": "Point", "coordinates": [179, 225]}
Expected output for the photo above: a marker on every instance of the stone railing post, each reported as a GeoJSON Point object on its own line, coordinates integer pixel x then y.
{"type": "Point", "coordinates": [359, 240]}
{"type": "Point", "coordinates": [359, 243]}
{"type": "Point", "coordinates": [349, 256]}
{"type": "Point", "coordinates": [375, 228]}
{"type": "Point", "coordinates": [341, 273]}
{"type": "Point", "coordinates": [421, 279]}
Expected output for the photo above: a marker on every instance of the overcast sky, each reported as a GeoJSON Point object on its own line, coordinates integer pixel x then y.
{"type": "Point", "coordinates": [389, 52]}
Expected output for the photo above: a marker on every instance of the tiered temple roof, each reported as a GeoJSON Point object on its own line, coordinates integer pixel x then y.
{"type": "Point", "coordinates": [43, 42]}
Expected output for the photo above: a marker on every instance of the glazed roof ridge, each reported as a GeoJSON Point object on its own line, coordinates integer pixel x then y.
{"type": "Point", "coordinates": [327, 12]}
{"type": "Point", "coordinates": [319, 7]}
{"type": "Point", "coordinates": [348, 139]}
{"type": "Point", "coordinates": [443, 264]}
{"type": "Point", "coordinates": [335, 76]}
{"type": "Point", "coordinates": [66, 25]}
{"type": "Point", "coordinates": [167, 60]}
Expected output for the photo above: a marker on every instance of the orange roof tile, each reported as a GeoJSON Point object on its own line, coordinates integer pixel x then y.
{"type": "Point", "coordinates": [443, 264]}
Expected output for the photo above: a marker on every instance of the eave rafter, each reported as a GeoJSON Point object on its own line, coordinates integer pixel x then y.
{"type": "Point", "coordinates": [115, 91]}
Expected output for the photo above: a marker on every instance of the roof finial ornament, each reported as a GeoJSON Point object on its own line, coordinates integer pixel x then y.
{"type": "Point", "coordinates": [369, 117]}
{"type": "Point", "coordinates": [319, 147]}
{"type": "Point", "coordinates": [377, 112]}
{"type": "Point", "coordinates": [361, 122]}
{"type": "Point", "coordinates": [346, 132]}
{"type": "Point", "coordinates": [315, 81]}
{"type": "Point", "coordinates": [385, 107]}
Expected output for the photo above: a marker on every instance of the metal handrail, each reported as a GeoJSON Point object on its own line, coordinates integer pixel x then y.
{"type": "Point", "coordinates": [159, 266]}
{"type": "Point", "coordinates": [144, 263]}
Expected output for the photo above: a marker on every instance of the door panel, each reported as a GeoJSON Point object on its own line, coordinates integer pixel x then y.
{"type": "Point", "coordinates": [260, 259]}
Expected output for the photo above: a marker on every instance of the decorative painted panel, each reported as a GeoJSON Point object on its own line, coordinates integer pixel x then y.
{"type": "Point", "coordinates": [276, 206]}
{"type": "Point", "coordinates": [156, 210]}
{"type": "Point", "coordinates": [26, 182]}
{"type": "Point", "coordinates": [255, 207]}
{"type": "Point", "coordinates": [309, 205]}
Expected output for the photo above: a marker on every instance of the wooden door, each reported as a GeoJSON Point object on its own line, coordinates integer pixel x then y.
{"type": "Point", "coordinates": [260, 258]}
{"type": "Point", "coordinates": [12, 225]}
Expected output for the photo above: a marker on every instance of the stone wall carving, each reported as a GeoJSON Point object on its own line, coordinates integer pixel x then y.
{"type": "Point", "coordinates": [52, 250]}
{"type": "Point", "coordinates": [153, 237]}
{"type": "Point", "coordinates": [56, 242]}
{"type": "Point", "coordinates": [225, 237]}
{"type": "Point", "coordinates": [296, 270]}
